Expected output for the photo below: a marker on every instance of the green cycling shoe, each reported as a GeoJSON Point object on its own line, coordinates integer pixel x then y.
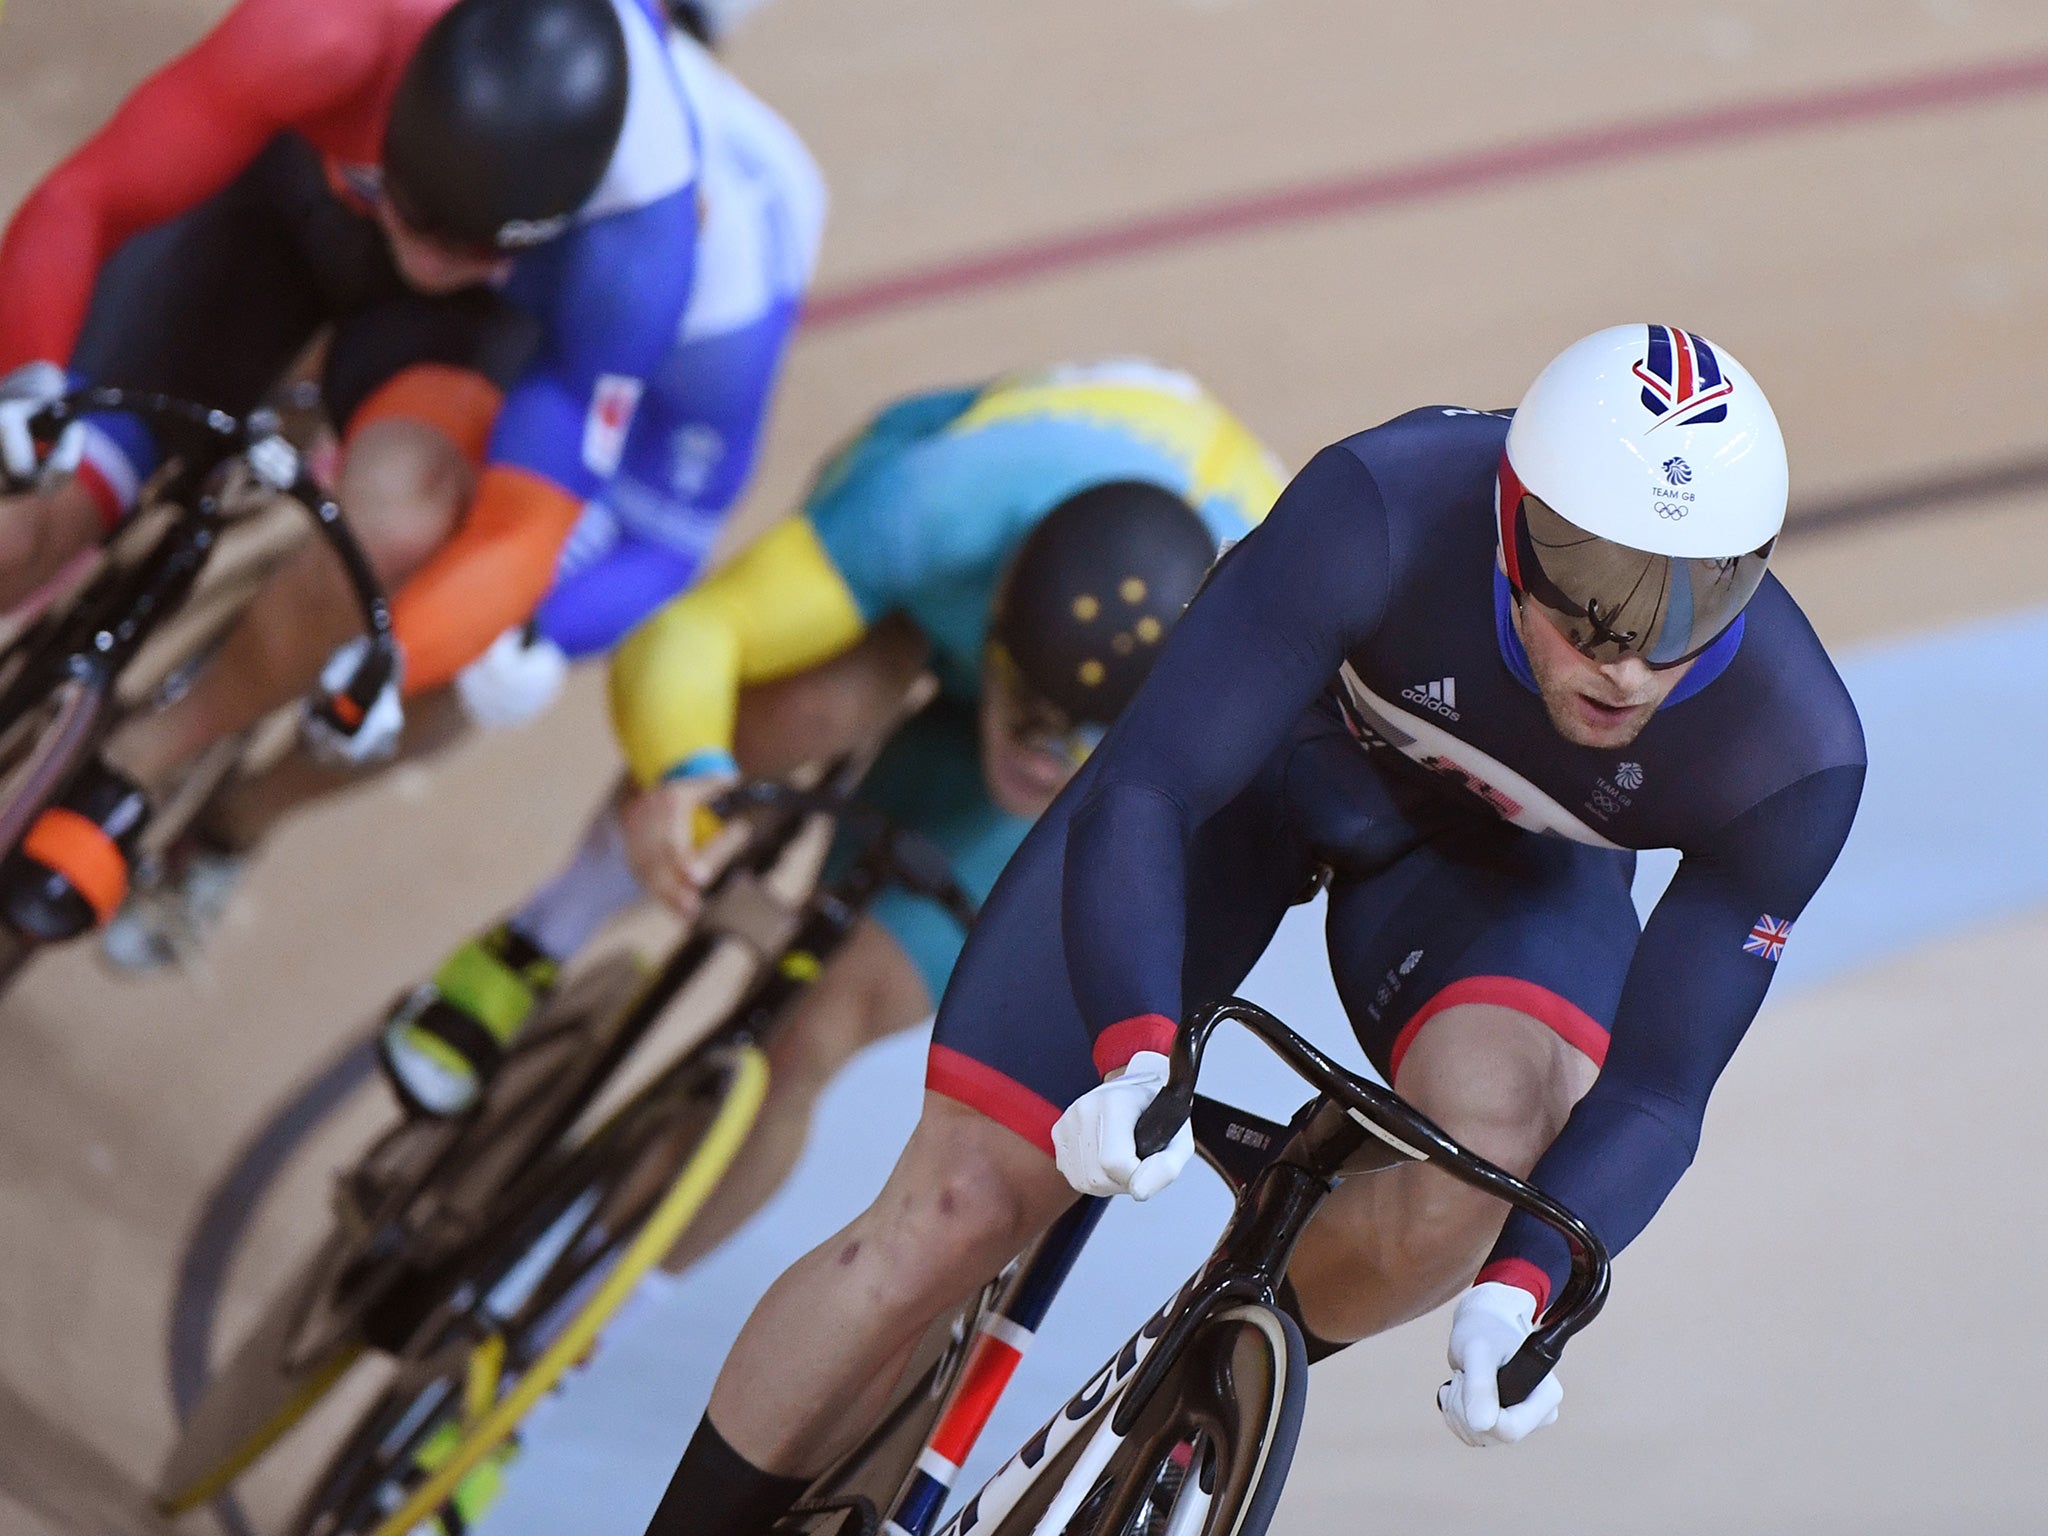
{"type": "Point", "coordinates": [474, 1495]}
{"type": "Point", "coordinates": [443, 1043]}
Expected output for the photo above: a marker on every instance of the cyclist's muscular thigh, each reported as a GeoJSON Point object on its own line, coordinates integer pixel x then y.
{"type": "Point", "coordinates": [1392, 1246]}
{"type": "Point", "coordinates": [404, 484]}
{"type": "Point", "coordinates": [868, 991]}
{"type": "Point", "coordinates": [819, 1357]}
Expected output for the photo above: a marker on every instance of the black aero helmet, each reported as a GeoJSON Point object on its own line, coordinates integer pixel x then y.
{"type": "Point", "coordinates": [1093, 590]}
{"type": "Point", "coordinates": [506, 119]}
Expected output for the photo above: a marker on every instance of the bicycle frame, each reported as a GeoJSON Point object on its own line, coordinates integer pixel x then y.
{"type": "Point", "coordinates": [826, 919]}
{"type": "Point", "coordinates": [93, 639]}
{"type": "Point", "coordinates": [1352, 1127]}
{"type": "Point", "coordinates": [1235, 1143]}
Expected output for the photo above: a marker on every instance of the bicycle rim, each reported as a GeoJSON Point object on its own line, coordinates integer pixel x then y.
{"type": "Point", "coordinates": [426, 1188]}
{"type": "Point", "coordinates": [1206, 1455]}
{"type": "Point", "coordinates": [488, 1377]}
{"type": "Point", "coordinates": [254, 1400]}
{"type": "Point", "coordinates": [357, 1289]}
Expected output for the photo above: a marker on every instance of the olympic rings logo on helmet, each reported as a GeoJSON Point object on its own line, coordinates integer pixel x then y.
{"type": "Point", "coordinates": [1631, 551]}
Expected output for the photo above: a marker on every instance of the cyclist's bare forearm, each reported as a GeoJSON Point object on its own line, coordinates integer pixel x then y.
{"type": "Point", "coordinates": [831, 708]}
{"type": "Point", "coordinates": [41, 532]}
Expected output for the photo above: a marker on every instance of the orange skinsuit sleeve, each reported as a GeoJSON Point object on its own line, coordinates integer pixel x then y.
{"type": "Point", "coordinates": [780, 607]}
{"type": "Point", "coordinates": [487, 579]}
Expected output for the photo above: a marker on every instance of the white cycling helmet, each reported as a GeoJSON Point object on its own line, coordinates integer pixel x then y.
{"type": "Point", "coordinates": [1642, 489]}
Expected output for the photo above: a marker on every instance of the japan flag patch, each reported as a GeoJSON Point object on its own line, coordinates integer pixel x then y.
{"type": "Point", "coordinates": [613, 399]}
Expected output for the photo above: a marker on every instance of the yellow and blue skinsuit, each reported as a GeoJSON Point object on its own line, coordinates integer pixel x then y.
{"type": "Point", "coordinates": [920, 515]}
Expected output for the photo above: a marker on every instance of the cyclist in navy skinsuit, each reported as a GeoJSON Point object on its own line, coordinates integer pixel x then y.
{"type": "Point", "coordinates": [1464, 668]}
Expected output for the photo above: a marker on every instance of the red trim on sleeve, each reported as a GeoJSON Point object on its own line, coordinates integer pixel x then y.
{"type": "Point", "coordinates": [1002, 1098]}
{"type": "Point", "coordinates": [1572, 1024]}
{"type": "Point", "coordinates": [1116, 1045]}
{"type": "Point", "coordinates": [1519, 1272]}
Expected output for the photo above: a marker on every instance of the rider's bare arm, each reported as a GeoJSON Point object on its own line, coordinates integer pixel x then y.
{"type": "Point", "coordinates": [831, 708]}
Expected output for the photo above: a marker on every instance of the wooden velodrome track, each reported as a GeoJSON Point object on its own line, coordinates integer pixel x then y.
{"type": "Point", "coordinates": [1331, 212]}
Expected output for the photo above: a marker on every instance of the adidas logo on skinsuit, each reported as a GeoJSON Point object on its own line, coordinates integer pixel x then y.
{"type": "Point", "coordinates": [1439, 698]}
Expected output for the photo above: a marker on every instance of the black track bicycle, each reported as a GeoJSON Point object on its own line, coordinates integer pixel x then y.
{"type": "Point", "coordinates": [1190, 1428]}
{"type": "Point", "coordinates": [484, 1254]}
{"type": "Point", "coordinates": [129, 633]}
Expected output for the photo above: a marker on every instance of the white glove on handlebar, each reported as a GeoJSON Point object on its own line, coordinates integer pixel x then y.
{"type": "Point", "coordinates": [335, 730]}
{"type": "Point", "coordinates": [1095, 1142]}
{"type": "Point", "coordinates": [24, 392]}
{"type": "Point", "coordinates": [514, 681]}
{"type": "Point", "coordinates": [1489, 1325]}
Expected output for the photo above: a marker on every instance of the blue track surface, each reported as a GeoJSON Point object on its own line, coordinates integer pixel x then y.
{"type": "Point", "coordinates": [1952, 835]}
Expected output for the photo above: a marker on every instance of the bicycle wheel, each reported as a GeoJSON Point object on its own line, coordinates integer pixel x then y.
{"type": "Point", "coordinates": [1206, 1455]}
{"type": "Point", "coordinates": [421, 1192]}
{"type": "Point", "coordinates": [534, 1301]}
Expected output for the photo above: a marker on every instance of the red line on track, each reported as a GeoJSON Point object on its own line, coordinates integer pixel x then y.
{"type": "Point", "coordinates": [1499, 165]}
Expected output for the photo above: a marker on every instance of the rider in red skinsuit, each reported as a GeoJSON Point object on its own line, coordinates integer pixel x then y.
{"type": "Point", "coordinates": [318, 82]}
{"type": "Point", "coordinates": [327, 71]}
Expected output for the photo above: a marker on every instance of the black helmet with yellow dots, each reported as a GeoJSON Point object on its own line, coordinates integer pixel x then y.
{"type": "Point", "coordinates": [1092, 592]}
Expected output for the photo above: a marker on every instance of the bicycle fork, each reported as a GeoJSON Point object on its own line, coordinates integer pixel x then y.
{"type": "Point", "coordinates": [1000, 1340]}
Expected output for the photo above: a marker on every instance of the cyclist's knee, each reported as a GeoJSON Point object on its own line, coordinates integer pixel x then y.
{"type": "Point", "coordinates": [1500, 1081]}
{"type": "Point", "coordinates": [966, 1196]}
{"type": "Point", "coordinates": [405, 485]}
{"type": "Point", "coordinates": [1386, 1249]}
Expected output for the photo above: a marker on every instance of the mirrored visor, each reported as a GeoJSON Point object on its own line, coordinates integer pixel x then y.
{"type": "Point", "coordinates": [1612, 601]}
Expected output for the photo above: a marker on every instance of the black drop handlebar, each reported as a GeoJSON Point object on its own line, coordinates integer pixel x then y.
{"type": "Point", "coordinates": [1411, 1133]}
{"type": "Point", "coordinates": [205, 439]}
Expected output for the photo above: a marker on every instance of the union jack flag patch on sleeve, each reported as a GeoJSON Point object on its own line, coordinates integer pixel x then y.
{"type": "Point", "coordinates": [1767, 938]}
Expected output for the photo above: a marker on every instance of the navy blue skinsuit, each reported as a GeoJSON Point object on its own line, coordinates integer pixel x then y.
{"type": "Point", "coordinates": [1348, 692]}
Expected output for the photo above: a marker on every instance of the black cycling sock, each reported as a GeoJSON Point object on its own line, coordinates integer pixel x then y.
{"type": "Point", "coordinates": [717, 1492]}
{"type": "Point", "coordinates": [1313, 1344]}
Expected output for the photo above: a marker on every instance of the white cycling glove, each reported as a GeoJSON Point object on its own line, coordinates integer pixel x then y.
{"type": "Point", "coordinates": [1095, 1142]}
{"type": "Point", "coordinates": [514, 681]}
{"type": "Point", "coordinates": [340, 729]}
{"type": "Point", "coordinates": [24, 392]}
{"type": "Point", "coordinates": [1489, 1325]}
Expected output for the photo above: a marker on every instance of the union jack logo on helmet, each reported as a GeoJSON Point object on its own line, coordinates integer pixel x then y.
{"type": "Point", "coordinates": [1682, 380]}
